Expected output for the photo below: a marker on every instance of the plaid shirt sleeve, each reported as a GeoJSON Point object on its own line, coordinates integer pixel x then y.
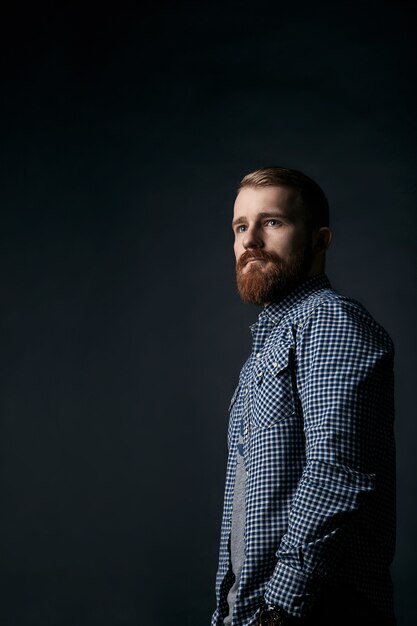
{"type": "Point", "coordinates": [344, 374]}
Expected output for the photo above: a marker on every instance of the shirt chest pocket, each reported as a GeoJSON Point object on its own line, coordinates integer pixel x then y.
{"type": "Point", "coordinates": [273, 398]}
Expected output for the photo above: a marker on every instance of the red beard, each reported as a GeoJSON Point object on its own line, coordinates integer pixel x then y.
{"type": "Point", "coordinates": [271, 279]}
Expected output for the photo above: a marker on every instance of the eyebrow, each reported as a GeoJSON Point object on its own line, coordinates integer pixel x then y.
{"type": "Point", "coordinates": [243, 220]}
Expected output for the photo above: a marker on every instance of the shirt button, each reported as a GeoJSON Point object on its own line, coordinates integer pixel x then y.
{"type": "Point", "coordinates": [275, 364]}
{"type": "Point", "coordinates": [259, 373]}
{"type": "Point", "coordinates": [258, 355]}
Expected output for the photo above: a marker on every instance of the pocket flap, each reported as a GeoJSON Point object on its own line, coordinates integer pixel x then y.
{"type": "Point", "coordinates": [275, 361]}
{"type": "Point", "coordinates": [279, 358]}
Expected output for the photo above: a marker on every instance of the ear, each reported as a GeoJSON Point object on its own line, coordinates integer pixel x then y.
{"type": "Point", "coordinates": [322, 239]}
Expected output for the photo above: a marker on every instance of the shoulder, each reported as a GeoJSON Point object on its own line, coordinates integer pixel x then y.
{"type": "Point", "coordinates": [331, 314]}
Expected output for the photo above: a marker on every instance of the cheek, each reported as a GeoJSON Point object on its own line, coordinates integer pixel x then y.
{"type": "Point", "coordinates": [238, 249]}
{"type": "Point", "coordinates": [287, 244]}
{"type": "Point", "coordinates": [280, 242]}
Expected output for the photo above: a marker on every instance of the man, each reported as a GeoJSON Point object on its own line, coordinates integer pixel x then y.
{"type": "Point", "coordinates": [308, 526]}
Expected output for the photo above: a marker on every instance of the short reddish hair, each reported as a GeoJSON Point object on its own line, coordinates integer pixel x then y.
{"type": "Point", "coordinates": [314, 201]}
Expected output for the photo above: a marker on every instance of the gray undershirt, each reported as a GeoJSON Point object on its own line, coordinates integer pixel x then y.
{"type": "Point", "coordinates": [237, 544]}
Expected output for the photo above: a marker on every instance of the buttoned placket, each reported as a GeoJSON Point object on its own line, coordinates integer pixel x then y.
{"type": "Point", "coordinates": [260, 331]}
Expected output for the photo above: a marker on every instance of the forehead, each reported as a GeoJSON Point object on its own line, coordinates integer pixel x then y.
{"type": "Point", "coordinates": [253, 200]}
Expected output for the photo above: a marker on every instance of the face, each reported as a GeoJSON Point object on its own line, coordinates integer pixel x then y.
{"type": "Point", "coordinates": [273, 245]}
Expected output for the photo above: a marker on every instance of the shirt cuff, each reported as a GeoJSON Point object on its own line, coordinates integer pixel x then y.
{"type": "Point", "coordinates": [291, 590]}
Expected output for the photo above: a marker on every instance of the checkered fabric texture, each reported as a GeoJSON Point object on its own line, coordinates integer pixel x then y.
{"type": "Point", "coordinates": [316, 400]}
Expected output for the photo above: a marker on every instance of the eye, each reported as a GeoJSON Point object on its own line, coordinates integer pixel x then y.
{"type": "Point", "coordinates": [241, 228]}
{"type": "Point", "coordinates": [272, 222]}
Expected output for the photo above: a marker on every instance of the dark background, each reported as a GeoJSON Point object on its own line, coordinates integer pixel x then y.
{"type": "Point", "coordinates": [125, 130]}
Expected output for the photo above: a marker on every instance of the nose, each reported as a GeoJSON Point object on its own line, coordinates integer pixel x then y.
{"type": "Point", "coordinates": [252, 239]}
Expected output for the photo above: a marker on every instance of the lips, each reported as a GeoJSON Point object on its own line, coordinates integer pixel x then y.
{"type": "Point", "coordinates": [255, 255]}
{"type": "Point", "coordinates": [255, 259]}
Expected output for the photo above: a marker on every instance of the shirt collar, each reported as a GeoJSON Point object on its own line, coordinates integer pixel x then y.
{"type": "Point", "coordinates": [275, 310]}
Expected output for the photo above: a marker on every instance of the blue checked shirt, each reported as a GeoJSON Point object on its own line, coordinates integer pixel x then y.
{"type": "Point", "coordinates": [315, 399]}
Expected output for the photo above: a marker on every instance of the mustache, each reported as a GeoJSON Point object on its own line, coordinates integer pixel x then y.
{"type": "Point", "coordinates": [262, 255]}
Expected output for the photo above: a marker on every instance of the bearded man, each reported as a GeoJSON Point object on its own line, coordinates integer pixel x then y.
{"type": "Point", "coordinates": [308, 529]}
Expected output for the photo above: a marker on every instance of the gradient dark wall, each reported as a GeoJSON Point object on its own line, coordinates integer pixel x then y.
{"type": "Point", "coordinates": [125, 131]}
